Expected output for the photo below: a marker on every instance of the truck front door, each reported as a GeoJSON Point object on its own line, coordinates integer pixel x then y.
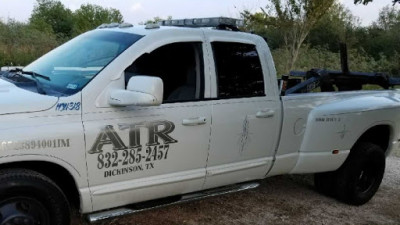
{"type": "Point", "coordinates": [136, 154]}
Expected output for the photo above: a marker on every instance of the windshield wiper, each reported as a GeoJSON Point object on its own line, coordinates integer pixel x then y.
{"type": "Point", "coordinates": [33, 74]}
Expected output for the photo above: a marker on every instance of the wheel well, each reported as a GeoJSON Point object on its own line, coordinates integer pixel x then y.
{"type": "Point", "coordinates": [56, 173]}
{"type": "Point", "coordinates": [379, 135]}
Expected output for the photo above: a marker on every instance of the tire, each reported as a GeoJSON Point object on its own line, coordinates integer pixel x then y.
{"type": "Point", "coordinates": [358, 179]}
{"type": "Point", "coordinates": [28, 197]}
{"type": "Point", "coordinates": [325, 183]}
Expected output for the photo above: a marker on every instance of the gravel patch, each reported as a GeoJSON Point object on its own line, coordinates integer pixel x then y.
{"type": "Point", "coordinates": [289, 199]}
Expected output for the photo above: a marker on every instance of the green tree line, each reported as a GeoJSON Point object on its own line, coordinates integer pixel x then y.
{"type": "Point", "coordinates": [50, 25]}
{"type": "Point", "coordinates": [302, 34]}
{"type": "Point", "coordinates": [305, 34]}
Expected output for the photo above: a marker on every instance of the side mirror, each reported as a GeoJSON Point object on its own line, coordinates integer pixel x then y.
{"type": "Point", "coordinates": [141, 91]}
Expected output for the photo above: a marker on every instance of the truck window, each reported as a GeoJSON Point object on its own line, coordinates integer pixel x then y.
{"type": "Point", "coordinates": [74, 64]}
{"type": "Point", "coordinates": [239, 71]}
{"type": "Point", "coordinates": [179, 65]}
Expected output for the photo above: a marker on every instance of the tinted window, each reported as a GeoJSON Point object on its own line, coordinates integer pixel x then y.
{"type": "Point", "coordinates": [179, 65]}
{"type": "Point", "coordinates": [239, 72]}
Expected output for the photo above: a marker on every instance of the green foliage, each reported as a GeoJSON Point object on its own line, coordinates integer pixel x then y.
{"type": "Point", "coordinates": [372, 49]}
{"type": "Point", "coordinates": [52, 15]}
{"type": "Point", "coordinates": [256, 23]}
{"type": "Point", "coordinates": [375, 48]}
{"type": "Point", "coordinates": [365, 2]}
{"type": "Point", "coordinates": [289, 21]}
{"type": "Point", "coordinates": [383, 36]}
{"type": "Point", "coordinates": [337, 25]}
{"type": "Point", "coordinates": [320, 57]}
{"type": "Point", "coordinates": [50, 25]}
{"type": "Point", "coordinates": [88, 17]}
{"type": "Point", "coordinates": [309, 58]}
{"type": "Point", "coordinates": [20, 43]}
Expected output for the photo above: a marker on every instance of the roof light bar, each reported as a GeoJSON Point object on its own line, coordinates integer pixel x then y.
{"type": "Point", "coordinates": [150, 26]}
{"type": "Point", "coordinates": [125, 25]}
{"type": "Point", "coordinates": [113, 25]}
{"type": "Point", "coordinates": [204, 22]}
{"type": "Point", "coordinates": [110, 25]}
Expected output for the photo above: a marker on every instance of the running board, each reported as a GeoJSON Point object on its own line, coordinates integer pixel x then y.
{"type": "Point", "coordinates": [95, 217]}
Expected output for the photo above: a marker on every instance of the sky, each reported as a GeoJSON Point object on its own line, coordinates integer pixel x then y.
{"type": "Point", "coordinates": [136, 11]}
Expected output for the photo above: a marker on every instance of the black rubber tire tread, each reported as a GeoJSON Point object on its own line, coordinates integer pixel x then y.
{"type": "Point", "coordinates": [325, 183]}
{"type": "Point", "coordinates": [362, 154]}
{"type": "Point", "coordinates": [29, 183]}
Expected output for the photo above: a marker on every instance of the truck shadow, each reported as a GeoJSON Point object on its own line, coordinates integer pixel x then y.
{"type": "Point", "coordinates": [288, 199]}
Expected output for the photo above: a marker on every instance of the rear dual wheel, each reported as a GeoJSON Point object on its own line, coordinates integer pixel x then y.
{"type": "Point", "coordinates": [358, 179]}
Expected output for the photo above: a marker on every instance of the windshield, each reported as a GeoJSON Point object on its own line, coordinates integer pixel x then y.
{"type": "Point", "coordinates": [71, 66]}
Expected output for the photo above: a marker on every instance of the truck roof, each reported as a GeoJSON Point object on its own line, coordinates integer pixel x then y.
{"type": "Point", "coordinates": [219, 24]}
{"type": "Point", "coordinates": [142, 30]}
{"type": "Point", "coordinates": [169, 31]}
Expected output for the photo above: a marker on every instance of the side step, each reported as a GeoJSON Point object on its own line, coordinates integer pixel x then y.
{"type": "Point", "coordinates": [95, 217]}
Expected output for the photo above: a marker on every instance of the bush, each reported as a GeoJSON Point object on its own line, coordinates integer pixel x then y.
{"type": "Point", "coordinates": [20, 44]}
{"type": "Point", "coordinates": [320, 57]}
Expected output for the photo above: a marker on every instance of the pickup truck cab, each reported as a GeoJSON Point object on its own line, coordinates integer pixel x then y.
{"type": "Point", "coordinates": [126, 114]}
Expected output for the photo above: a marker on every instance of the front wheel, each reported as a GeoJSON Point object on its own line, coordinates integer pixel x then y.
{"type": "Point", "coordinates": [358, 179]}
{"type": "Point", "coordinates": [30, 198]}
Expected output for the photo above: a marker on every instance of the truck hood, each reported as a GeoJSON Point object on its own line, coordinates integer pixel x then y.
{"type": "Point", "coordinates": [17, 100]}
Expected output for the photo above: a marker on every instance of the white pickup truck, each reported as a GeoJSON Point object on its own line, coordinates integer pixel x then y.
{"type": "Point", "coordinates": [127, 114]}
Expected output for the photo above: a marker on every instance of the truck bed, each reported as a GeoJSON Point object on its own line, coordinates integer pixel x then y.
{"type": "Point", "coordinates": [311, 120]}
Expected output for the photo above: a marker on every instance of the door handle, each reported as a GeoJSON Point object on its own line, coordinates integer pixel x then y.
{"type": "Point", "coordinates": [265, 114]}
{"type": "Point", "coordinates": [194, 121]}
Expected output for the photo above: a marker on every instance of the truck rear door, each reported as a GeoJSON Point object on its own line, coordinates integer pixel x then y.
{"type": "Point", "coordinates": [245, 116]}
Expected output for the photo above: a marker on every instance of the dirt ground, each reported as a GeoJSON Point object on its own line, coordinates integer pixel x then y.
{"type": "Point", "coordinates": [287, 199]}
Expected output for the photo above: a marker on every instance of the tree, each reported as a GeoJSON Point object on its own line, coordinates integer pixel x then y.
{"type": "Point", "coordinates": [365, 2]}
{"type": "Point", "coordinates": [20, 43]}
{"type": "Point", "coordinates": [389, 18]}
{"type": "Point", "coordinates": [383, 35]}
{"type": "Point", "coordinates": [337, 25]}
{"type": "Point", "coordinates": [293, 18]}
{"type": "Point", "coordinates": [258, 23]}
{"type": "Point", "coordinates": [89, 16]}
{"type": "Point", "coordinates": [52, 15]}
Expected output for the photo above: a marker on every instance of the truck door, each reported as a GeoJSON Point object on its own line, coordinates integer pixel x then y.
{"type": "Point", "coordinates": [140, 153]}
{"type": "Point", "coordinates": [245, 120]}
